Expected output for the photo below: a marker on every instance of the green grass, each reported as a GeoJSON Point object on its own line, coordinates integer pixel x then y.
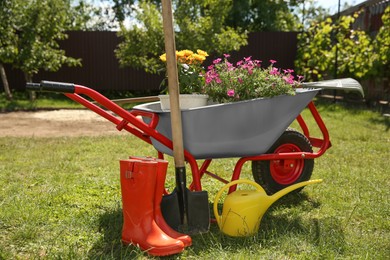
{"type": "Point", "coordinates": [46, 100]}
{"type": "Point", "coordinates": [60, 198]}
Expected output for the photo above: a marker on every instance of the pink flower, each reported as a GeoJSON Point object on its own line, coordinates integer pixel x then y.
{"type": "Point", "coordinates": [216, 61]}
{"type": "Point", "coordinates": [248, 58]}
{"type": "Point", "coordinates": [274, 71]}
{"type": "Point", "coordinates": [248, 66]}
{"type": "Point", "coordinates": [289, 79]}
{"type": "Point", "coordinates": [230, 92]}
{"type": "Point", "coordinates": [223, 78]}
{"type": "Point", "coordinates": [258, 63]}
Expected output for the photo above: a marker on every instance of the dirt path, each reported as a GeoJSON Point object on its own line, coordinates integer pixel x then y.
{"type": "Point", "coordinates": [55, 123]}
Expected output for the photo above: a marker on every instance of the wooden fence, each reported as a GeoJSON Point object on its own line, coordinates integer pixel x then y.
{"type": "Point", "coordinates": [100, 69]}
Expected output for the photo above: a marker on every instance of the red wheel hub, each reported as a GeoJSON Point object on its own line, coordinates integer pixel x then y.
{"type": "Point", "coordinates": [286, 172]}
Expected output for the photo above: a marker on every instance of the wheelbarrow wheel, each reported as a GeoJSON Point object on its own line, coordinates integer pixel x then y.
{"type": "Point", "coordinates": [275, 175]}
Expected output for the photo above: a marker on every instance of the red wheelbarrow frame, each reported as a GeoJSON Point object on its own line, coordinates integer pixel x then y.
{"type": "Point", "coordinates": [140, 129]}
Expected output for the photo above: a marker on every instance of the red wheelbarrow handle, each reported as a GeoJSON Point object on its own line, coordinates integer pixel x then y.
{"type": "Point", "coordinates": [51, 86]}
{"type": "Point", "coordinates": [141, 129]}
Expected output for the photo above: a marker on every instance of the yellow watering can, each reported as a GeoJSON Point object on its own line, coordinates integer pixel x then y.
{"type": "Point", "coordinates": [243, 209]}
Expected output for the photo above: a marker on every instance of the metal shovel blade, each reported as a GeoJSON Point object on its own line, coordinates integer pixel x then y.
{"type": "Point", "coordinates": [184, 210]}
{"type": "Point", "coordinates": [198, 215]}
{"type": "Point", "coordinates": [198, 212]}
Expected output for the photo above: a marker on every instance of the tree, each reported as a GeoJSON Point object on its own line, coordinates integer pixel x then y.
{"type": "Point", "coordinates": [263, 15]}
{"type": "Point", "coordinates": [43, 23]}
{"type": "Point", "coordinates": [382, 47]}
{"type": "Point", "coordinates": [29, 34]}
{"type": "Point", "coordinates": [123, 8]}
{"type": "Point", "coordinates": [32, 31]}
{"type": "Point", "coordinates": [317, 48]}
{"type": "Point", "coordinates": [257, 15]}
{"type": "Point", "coordinates": [85, 16]}
{"type": "Point", "coordinates": [7, 40]}
{"type": "Point", "coordinates": [199, 24]}
{"type": "Point", "coordinates": [309, 12]}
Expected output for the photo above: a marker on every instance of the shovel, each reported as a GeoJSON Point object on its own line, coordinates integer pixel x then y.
{"type": "Point", "coordinates": [184, 210]}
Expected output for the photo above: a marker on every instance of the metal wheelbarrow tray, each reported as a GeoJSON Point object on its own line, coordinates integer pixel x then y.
{"type": "Point", "coordinates": [245, 128]}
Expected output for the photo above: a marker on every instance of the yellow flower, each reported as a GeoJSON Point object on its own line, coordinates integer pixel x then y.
{"type": "Point", "coordinates": [180, 54]}
{"type": "Point", "coordinates": [188, 52]}
{"type": "Point", "coordinates": [199, 58]}
{"type": "Point", "coordinates": [188, 56]}
{"type": "Point", "coordinates": [203, 53]}
{"type": "Point", "coordinates": [163, 57]}
{"type": "Point", "coordinates": [190, 68]}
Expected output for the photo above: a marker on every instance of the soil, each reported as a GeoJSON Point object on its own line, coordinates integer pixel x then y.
{"type": "Point", "coordinates": [55, 123]}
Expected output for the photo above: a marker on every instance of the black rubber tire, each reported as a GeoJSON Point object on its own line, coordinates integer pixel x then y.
{"type": "Point", "coordinates": [261, 170]}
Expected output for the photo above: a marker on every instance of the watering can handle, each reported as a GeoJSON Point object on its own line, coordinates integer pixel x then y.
{"type": "Point", "coordinates": [216, 213]}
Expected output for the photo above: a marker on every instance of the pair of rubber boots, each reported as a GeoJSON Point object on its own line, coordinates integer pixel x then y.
{"type": "Point", "coordinates": [142, 185]}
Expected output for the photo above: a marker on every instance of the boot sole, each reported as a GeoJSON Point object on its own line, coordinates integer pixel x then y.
{"type": "Point", "coordinates": [156, 251]}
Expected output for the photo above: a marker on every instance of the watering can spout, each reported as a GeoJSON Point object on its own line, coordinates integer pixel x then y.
{"type": "Point", "coordinates": [291, 188]}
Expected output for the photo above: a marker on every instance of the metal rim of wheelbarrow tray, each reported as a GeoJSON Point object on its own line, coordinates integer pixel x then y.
{"type": "Point", "coordinates": [245, 128]}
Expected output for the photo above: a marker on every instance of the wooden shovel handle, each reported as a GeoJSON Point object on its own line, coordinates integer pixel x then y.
{"type": "Point", "coordinates": [173, 84]}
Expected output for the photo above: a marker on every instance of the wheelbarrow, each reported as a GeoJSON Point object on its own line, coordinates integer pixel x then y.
{"type": "Point", "coordinates": [255, 131]}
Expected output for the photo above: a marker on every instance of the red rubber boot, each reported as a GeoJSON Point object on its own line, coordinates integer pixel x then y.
{"type": "Point", "coordinates": [162, 167]}
{"type": "Point", "coordinates": [138, 185]}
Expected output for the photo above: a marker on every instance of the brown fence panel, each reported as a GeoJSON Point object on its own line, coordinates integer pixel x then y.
{"type": "Point", "coordinates": [100, 69]}
{"type": "Point", "coordinates": [265, 46]}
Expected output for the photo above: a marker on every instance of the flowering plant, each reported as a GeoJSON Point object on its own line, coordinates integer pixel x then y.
{"type": "Point", "coordinates": [226, 82]}
{"type": "Point", "coordinates": [189, 70]}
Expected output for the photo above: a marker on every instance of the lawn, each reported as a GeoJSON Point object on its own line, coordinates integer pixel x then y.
{"type": "Point", "coordinates": [61, 198]}
{"type": "Point", "coordinates": [48, 100]}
